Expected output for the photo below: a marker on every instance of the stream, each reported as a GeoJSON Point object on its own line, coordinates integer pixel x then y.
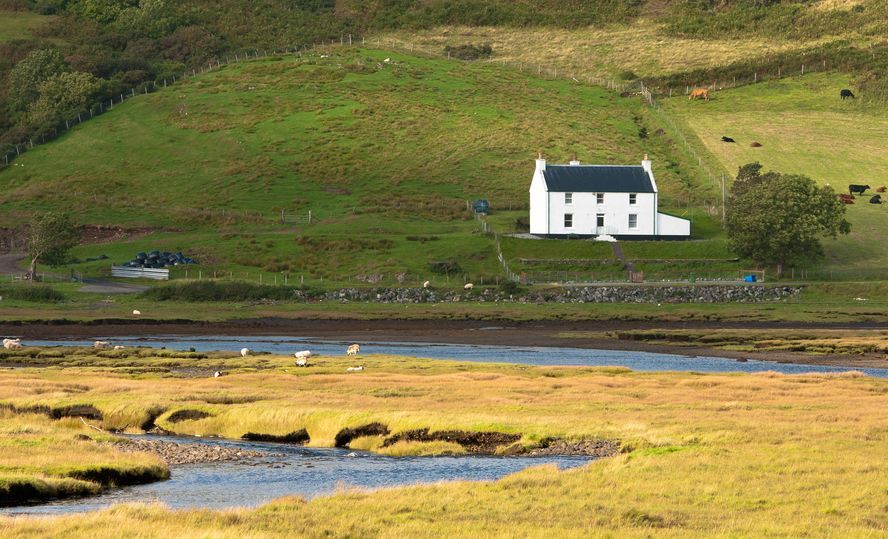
{"type": "Point", "coordinates": [291, 470]}
{"type": "Point", "coordinates": [544, 356]}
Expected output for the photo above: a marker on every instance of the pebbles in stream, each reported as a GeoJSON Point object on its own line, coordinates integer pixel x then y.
{"type": "Point", "coordinates": [174, 453]}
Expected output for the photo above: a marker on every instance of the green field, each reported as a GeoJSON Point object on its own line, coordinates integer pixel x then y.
{"type": "Point", "coordinates": [804, 128]}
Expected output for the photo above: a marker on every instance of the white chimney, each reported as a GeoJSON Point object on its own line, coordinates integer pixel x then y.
{"type": "Point", "coordinates": [646, 164]}
{"type": "Point", "coordinates": [574, 162]}
{"type": "Point", "coordinates": [540, 163]}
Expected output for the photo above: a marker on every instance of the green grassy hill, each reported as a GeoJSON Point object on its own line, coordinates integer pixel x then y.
{"type": "Point", "coordinates": [384, 154]}
{"type": "Point", "coordinates": [804, 128]}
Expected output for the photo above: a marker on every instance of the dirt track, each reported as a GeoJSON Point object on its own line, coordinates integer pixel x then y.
{"type": "Point", "coordinates": [504, 333]}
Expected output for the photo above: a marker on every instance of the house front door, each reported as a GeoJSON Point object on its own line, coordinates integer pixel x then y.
{"type": "Point", "coordinates": [599, 224]}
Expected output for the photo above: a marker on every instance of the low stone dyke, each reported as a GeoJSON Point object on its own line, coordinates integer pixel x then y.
{"type": "Point", "coordinates": [579, 294]}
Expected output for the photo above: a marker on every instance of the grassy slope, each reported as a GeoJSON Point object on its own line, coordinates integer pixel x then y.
{"type": "Point", "coordinates": [804, 128]}
{"type": "Point", "coordinates": [384, 150]}
{"type": "Point", "coordinates": [19, 24]}
{"type": "Point", "coordinates": [714, 455]}
{"type": "Point", "coordinates": [644, 47]}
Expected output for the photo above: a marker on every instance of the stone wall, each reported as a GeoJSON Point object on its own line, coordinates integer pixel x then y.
{"type": "Point", "coordinates": [587, 294]}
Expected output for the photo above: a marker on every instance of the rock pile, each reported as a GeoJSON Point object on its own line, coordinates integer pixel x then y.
{"type": "Point", "coordinates": [174, 453]}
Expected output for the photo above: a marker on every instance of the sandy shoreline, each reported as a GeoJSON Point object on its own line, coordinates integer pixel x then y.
{"type": "Point", "coordinates": [494, 333]}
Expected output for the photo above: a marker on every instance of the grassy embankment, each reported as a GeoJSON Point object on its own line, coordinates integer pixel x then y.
{"type": "Point", "coordinates": [818, 303]}
{"type": "Point", "coordinates": [715, 455]}
{"type": "Point", "coordinates": [821, 341]}
{"type": "Point", "coordinates": [43, 457]}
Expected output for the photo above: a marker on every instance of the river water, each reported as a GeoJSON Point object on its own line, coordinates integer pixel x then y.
{"type": "Point", "coordinates": [293, 470]}
{"type": "Point", "coordinates": [547, 356]}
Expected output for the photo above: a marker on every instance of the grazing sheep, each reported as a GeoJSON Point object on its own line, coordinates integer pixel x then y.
{"type": "Point", "coordinates": [426, 284]}
{"type": "Point", "coordinates": [245, 352]}
{"type": "Point", "coordinates": [136, 312]}
{"type": "Point", "coordinates": [12, 344]}
{"type": "Point", "coordinates": [468, 286]}
{"type": "Point", "coordinates": [302, 362]}
{"type": "Point", "coordinates": [217, 374]}
{"type": "Point", "coordinates": [355, 369]}
{"type": "Point", "coordinates": [119, 347]}
{"type": "Point", "coordinates": [353, 350]}
{"type": "Point", "coordinates": [101, 345]}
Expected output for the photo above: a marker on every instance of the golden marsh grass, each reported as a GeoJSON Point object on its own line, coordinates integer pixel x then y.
{"type": "Point", "coordinates": [706, 454]}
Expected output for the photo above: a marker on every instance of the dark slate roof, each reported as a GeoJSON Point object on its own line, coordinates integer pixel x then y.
{"type": "Point", "coordinates": [597, 179]}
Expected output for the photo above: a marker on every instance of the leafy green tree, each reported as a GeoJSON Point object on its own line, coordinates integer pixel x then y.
{"type": "Point", "coordinates": [101, 11]}
{"type": "Point", "coordinates": [26, 77]}
{"type": "Point", "coordinates": [778, 219]}
{"type": "Point", "coordinates": [52, 236]}
{"type": "Point", "coordinates": [62, 97]}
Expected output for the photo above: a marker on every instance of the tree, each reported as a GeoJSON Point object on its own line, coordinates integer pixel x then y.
{"type": "Point", "coordinates": [779, 219]}
{"type": "Point", "coordinates": [26, 77]}
{"type": "Point", "coordinates": [52, 236]}
{"type": "Point", "coordinates": [63, 97]}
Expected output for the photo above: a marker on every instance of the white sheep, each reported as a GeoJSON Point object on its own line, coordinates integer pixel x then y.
{"type": "Point", "coordinates": [302, 363]}
{"type": "Point", "coordinates": [304, 354]}
{"type": "Point", "coordinates": [426, 284]}
{"type": "Point", "coordinates": [119, 347]}
{"type": "Point", "coordinates": [469, 286]}
{"type": "Point", "coordinates": [12, 344]}
{"type": "Point", "coordinates": [101, 345]}
{"type": "Point", "coordinates": [217, 374]}
{"type": "Point", "coordinates": [245, 352]}
{"type": "Point", "coordinates": [355, 369]}
{"type": "Point", "coordinates": [353, 350]}
{"type": "Point", "coordinates": [136, 312]}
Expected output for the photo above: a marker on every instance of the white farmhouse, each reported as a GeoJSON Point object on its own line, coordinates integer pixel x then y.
{"type": "Point", "coordinates": [608, 201]}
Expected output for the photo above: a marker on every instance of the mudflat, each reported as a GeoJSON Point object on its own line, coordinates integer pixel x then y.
{"type": "Point", "coordinates": [592, 334]}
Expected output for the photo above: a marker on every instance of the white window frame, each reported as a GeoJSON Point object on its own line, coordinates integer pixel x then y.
{"type": "Point", "coordinates": [633, 199]}
{"type": "Point", "coordinates": [599, 198]}
{"type": "Point", "coordinates": [599, 220]}
{"type": "Point", "coordinates": [568, 198]}
{"type": "Point", "coordinates": [633, 221]}
{"type": "Point", "coordinates": [568, 218]}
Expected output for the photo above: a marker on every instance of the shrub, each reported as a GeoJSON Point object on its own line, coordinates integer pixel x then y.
{"type": "Point", "coordinates": [468, 51]}
{"type": "Point", "coordinates": [445, 267]}
{"type": "Point", "coordinates": [35, 293]}
{"type": "Point", "coordinates": [216, 291]}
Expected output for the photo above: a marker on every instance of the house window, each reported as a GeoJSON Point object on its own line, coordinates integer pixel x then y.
{"type": "Point", "coordinates": [568, 198]}
{"type": "Point", "coordinates": [633, 221]}
{"type": "Point", "coordinates": [568, 220]}
{"type": "Point", "coordinates": [632, 197]}
{"type": "Point", "coordinates": [599, 198]}
{"type": "Point", "coordinates": [599, 221]}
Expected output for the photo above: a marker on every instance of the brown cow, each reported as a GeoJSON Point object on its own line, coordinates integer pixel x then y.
{"type": "Point", "coordinates": [699, 92]}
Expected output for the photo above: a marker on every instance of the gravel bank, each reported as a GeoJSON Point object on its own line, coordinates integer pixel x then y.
{"type": "Point", "coordinates": [174, 453]}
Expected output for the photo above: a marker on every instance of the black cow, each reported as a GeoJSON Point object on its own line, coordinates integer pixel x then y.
{"type": "Point", "coordinates": [728, 139]}
{"type": "Point", "coordinates": [846, 93]}
{"type": "Point", "coordinates": [854, 188]}
{"type": "Point", "coordinates": [876, 199]}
